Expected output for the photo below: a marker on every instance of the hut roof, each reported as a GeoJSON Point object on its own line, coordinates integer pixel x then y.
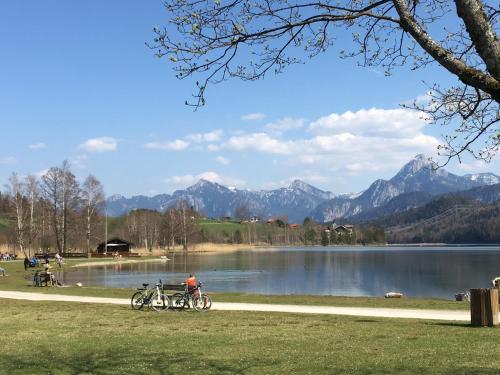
{"type": "Point", "coordinates": [115, 241]}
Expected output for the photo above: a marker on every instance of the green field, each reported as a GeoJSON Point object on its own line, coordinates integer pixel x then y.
{"type": "Point", "coordinates": [72, 338]}
{"type": "Point", "coordinates": [216, 226]}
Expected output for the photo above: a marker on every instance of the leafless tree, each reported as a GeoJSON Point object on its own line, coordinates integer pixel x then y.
{"type": "Point", "coordinates": [170, 227]}
{"type": "Point", "coordinates": [60, 189]}
{"type": "Point", "coordinates": [186, 217]}
{"type": "Point", "coordinates": [18, 201]}
{"type": "Point", "coordinates": [93, 199]}
{"type": "Point", "coordinates": [144, 227]}
{"type": "Point", "coordinates": [32, 194]}
{"type": "Point", "coordinates": [247, 39]}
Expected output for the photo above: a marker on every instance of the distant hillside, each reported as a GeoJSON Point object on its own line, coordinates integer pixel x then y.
{"type": "Point", "coordinates": [471, 216]}
{"type": "Point", "coordinates": [485, 194]}
{"type": "Point", "coordinates": [477, 224]}
{"type": "Point", "coordinates": [430, 210]}
{"type": "Point", "coordinates": [401, 203]}
{"type": "Point", "coordinates": [418, 175]}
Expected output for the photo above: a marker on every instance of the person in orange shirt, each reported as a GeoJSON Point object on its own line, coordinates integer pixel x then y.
{"type": "Point", "coordinates": [191, 283]}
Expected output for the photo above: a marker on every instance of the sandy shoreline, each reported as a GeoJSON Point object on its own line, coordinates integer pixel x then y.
{"type": "Point", "coordinates": [112, 262]}
{"type": "Point", "coordinates": [204, 248]}
{"type": "Point", "coordinates": [218, 248]}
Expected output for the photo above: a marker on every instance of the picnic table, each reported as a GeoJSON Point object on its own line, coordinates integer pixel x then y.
{"type": "Point", "coordinates": [45, 277]}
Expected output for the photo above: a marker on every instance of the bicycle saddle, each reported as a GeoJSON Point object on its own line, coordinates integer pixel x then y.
{"type": "Point", "coordinates": [145, 285]}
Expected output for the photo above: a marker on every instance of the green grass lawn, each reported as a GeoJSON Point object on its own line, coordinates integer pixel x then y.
{"type": "Point", "coordinates": [20, 280]}
{"type": "Point", "coordinates": [72, 338]}
{"type": "Point", "coordinates": [219, 226]}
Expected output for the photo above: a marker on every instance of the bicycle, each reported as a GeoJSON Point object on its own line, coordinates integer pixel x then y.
{"type": "Point", "coordinates": [152, 297]}
{"type": "Point", "coordinates": [200, 301]}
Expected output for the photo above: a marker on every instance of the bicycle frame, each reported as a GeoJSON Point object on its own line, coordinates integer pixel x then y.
{"type": "Point", "coordinates": [148, 293]}
{"type": "Point", "coordinates": [159, 291]}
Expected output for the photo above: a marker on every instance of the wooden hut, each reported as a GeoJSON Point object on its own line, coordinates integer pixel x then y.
{"type": "Point", "coordinates": [115, 244]}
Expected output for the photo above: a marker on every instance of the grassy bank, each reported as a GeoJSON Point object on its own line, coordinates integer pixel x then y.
{"type": "Point", "coordinates": [20, 280]}
{"type": "Point", "coordinates": [72, 338]}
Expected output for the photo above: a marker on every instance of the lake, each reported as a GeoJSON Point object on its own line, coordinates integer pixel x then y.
{"type": "Point", "coordinates": [342, 271]}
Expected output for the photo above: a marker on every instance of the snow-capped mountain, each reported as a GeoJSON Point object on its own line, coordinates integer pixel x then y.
{"type": "Point", "coordinates": [215, 200]}
{"type": "Point", "coordinates": [484, 178]}
{"type": "Point", "coordinates": [301, 199]}
{"type": "Point", "coordinates": [418, 175]}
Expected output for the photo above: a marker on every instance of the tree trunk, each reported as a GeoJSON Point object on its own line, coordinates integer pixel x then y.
{"type": "Point", "coordinates": [88, 232]}
{"type": "Point", "coordinates": [482, 34]}
{"type": "Point", "coordinates": [468, 75]}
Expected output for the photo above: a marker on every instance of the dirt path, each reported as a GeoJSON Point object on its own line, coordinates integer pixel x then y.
{"type": "Point", "coordinates": [230, 306]}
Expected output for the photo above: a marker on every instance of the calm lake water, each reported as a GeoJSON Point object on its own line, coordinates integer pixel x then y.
{"type": "Point", "coordinates": [415, 271]}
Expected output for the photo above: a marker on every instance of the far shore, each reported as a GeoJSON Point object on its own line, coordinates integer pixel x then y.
{"type": "Point", "coordinates": [214, 248]}
{"type": "Point", "coordinates": [209, 247]}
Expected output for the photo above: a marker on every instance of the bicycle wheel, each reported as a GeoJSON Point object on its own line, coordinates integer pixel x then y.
{"type": "Point", "coordinates": [137, 300]}
{"type": "Point", "coordinates": [179, 302]}
{"type": "Point", "coordinates": [202, 303]}
{"type": "Point", "coordinates": [207, 302]}
{"type": "Point", "coordinates": [159, 302]}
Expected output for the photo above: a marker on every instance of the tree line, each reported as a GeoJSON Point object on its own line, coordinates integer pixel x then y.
{"type": "Point", "coordinates": [53, 211]}
{"type": "Point", "coordinates": [57, 213]}
{"type": "Point", "coordinates": [476, 224]}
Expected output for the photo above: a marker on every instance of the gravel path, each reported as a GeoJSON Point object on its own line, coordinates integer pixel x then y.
{"type": "Point", "coordinates": [231, 306]}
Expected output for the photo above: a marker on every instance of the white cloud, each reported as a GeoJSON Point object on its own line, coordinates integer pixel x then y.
{"type": "Point", "coordinates": [213, 148]}
{"type": "Point", "coordinates": [189, 179]}
{"type": "Point", "coordinates": [37, 146]}
{"type": "Point", "coordinates": [102, 144]}
{"type": "Point", "coordinates": [350, 143]}
{"type": "Point", "coordinates": [259, 142]}
{"type": "Point", "coordinates": [374, 122]}
{"type": "Point", "coordinates": [476, 166]}
{"type": "Point", "coordinates": [8, 160]}
{"type": "Point", "coordinates": [41, 173]}
{"type": "Point", "coordinates": [222, 160]}
{"type": "Point", "coordinates": [79, 161]}
{"type": "Point", "coordinates": [312, 178]}
{"type": "Point", "coordinates": [285, 124]}
{"type": "Point", "coordinates": [257, 116]}
{"type": "Point", "coordinates": [205, 137]}
{"type": "Point", "coordinates": [177, 145]}
{"type": "Point", "coordinates": [421, 100]}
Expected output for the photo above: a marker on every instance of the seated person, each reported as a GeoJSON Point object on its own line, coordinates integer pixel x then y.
{"type": "Point", "coordinates": [191, 283]}
{"type": "Point", "coordinates": [37, 279]}
{"type": "Point", "coordinates": [59, 260]}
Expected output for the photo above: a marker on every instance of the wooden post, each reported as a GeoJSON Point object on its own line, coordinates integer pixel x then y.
{"type": "Point", "coordinates": [497, 287]}
{"type": "Point", "coordinates": [484, 307]}
{"type": "Point", "coordinates": [492, 307]}
{"type": "Point", "coordinates": [476, 308]}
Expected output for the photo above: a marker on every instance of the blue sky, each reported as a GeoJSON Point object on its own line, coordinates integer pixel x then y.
{"type": "Point", "coordinates": [77, 82]}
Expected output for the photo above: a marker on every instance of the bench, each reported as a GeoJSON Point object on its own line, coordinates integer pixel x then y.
{"type": "Point", "coordinates": [174, 287]}
{"type": "Point", "coordinates": [40, 278]}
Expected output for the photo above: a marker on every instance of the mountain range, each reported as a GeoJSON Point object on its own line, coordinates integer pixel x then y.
{"type": "Point", "coordinates": [417, 183]}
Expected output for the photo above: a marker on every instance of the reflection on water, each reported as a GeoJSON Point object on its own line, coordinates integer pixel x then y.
{"type": "Point", "coordinates": [418, 272]}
